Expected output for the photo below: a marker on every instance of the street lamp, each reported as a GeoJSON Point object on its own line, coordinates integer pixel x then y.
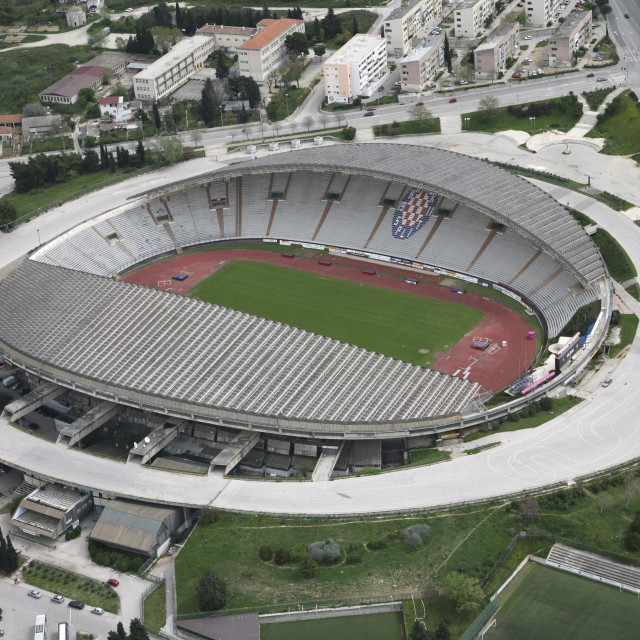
{"type": "Point", "coordinates": [39, 243]}
{"type": "Point", "coordinates": [466, 123]}
{"type": "Point", "coordinates": [532, 119]}
{"type": "Point", "coordinates": [286, 97]}
{"type": "Point", "coordinates": [221, 124]}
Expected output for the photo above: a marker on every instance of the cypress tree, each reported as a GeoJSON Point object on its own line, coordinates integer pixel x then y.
{"type": "Point", "coordinates": [12, 556]}
{"type": "Point", "coordinates": [178, 16]}
{"type": "Point", "coordinates": [447, 53]}
{"type": "Point", "coordinates": [156, 116]}
{"type": "Point", "coordinates": [4, 558]}
{"type": "Point", "coordinates": [354, 26]}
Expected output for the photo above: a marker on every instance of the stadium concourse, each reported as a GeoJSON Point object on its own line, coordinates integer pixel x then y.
{"type": "Point", "coordinates": [503, 230]}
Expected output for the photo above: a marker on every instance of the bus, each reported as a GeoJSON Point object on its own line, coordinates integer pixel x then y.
{"type": "Point", "coordinates": [41, 628]}
{"type": "Point", "coordinates": [63, 631]}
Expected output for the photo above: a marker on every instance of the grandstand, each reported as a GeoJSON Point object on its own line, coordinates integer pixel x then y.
{"type": "Point", "coordinates": [65, 316]}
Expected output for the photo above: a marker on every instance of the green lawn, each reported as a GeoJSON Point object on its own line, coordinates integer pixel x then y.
{"type": "Point", "coordinates": [554, 605]}
{"type": "Point", "coordinates": [408, 127]}
{"type": "Point", "coordinates": [393, 323]}
{"type": "Point", "coordinates": [560, 118]}
{"type": "Point", "coordinates": [620, 266]}
{"type": "Point", "coordinates": [620, 125]}
{"type": "Point", "coordinates": [596, 98]}
{"type": "Point", "coordinates": [283, 103]}
{"type": "Point", "coordinates": [155, 614]}
{"type": "Point", "coordinates": [25, 72]}
{"type": "Point", "coordinates": [628, 326]}
{"type": "Point", "coordinates": [71, 586]}
{"type": "Point", "coordinates": [40, 145]}
{"type": "Point", "coordinates": [560, 405]}
{"type": "Point", "coordinates": [375, 626]}
{"type": "Point", "coordinates": [428, 455]}
{"type": "Point", "coordinates": [365, 20]}
{"type": "Point", "coordinates": [30, 38]}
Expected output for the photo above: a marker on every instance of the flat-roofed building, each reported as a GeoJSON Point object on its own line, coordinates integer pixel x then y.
{"type": "Point", "coordinates": [137, 527]}
{"type": "Point", "coordinates": [50, 510]}
{"type": "Point", "coordinates": [407, 22]}
{"type": "Point", "coordinates": [471, 16]}
{"type": "Point", "coordinates": [540, 12]}
{"type": "Point", "coordinates": [114, 61]}
{"type": "Point", "coordinates": [574, 34]}
{"type": "Point", "coordinates": [356, 69]}
{"type": "Point", "coordinates": [67, 89]}
{"type": "Point", "coordinates": [422, 64]}
{"type": "Point", "coordinates": [226, 37]}
{"type": "Point", "coordinates": [35, 126]}
{"type": "Point", "coordinates": [174, 68]}
{"type": "Point", "coordinates": [490, 58]}
{"type": "Point", "coordinates": [266, 50]}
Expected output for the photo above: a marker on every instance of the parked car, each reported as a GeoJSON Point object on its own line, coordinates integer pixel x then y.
{"type": "Point", "coordinates": [180, 277]}
{"type": "Point", "coordinates": [112, 582]}
{"type": "Point", "coordinates": [34, 594]}
{"type": "Point", "coordinates": [462, 82]}
{"type": "Point", "coordinates": [607, 382]}
{"type": "Point", "coordinates": [590, 75]}
{"type": "Point", "coordinates": [371, 108]}
{"type": "Point", "coordinates": [627, 16]}
{"type": "Point", "coordinates": [517, 75]}
{"type": "Point", "coordinates": [31, 426]}
{"type": "Point", "coordinates": [129, 10]}
{"type": "Point", "coordinates": [419, 104]}
{"type": "Point", "coordinates": [76, 604]}
{"type": "Point", "coordinates": [453, 100]}
{"type": "Point", "coordinates": [528, 37]}
{"type": "Point", "coordinates": [57, 598]}
{"type": "Point", "coordinates": [171, 551]}
{"type": "Point", "coordinates": [432, 86]}
{"type": "Point", "coordinates": [602, 79]}
{"type": "Point", "coordinates": [98, 610]}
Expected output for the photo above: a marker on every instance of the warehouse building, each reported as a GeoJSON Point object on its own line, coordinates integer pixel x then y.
{"type": "Point", "coordinates": [66, 90]}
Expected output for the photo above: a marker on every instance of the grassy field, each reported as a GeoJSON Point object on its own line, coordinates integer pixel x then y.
{"type": "Point", "coordinates": [559, 119]}
{"type": "Point", "coordinates": [620, 266]}
{"type": "Point", "coordinates": [554, 605]}
{"type": "Point", "coordinates": [365, 20]}
{"type": "Point", "coordinates": [620, 125]}
{"type": "Point", "coordinates": [410, 127]}
{"type": "Point", "coordinates": [560, 405]}
{"type": "Point", "coordinates": [628, 326]}
{"type": "Point", "coordinates": [596, 98]}
{"type": "Point", "coordinates": [24, 72]}
{"type": "Point", "coordinates": [283, 103]}
{"type": "Point", "coordinates": [155, 613]}
{"type": "Point", "coordinates": [376, 626]}
{"type": "Point", "coordinates": [428, 455]}
{"type": "Point", "coordinates": [71, 586]}
{"type": "Point", "coordinates": [401, 326]}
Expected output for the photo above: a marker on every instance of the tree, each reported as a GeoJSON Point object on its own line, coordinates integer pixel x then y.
{"type": "Point", "coordinates": [447, 53]}
{"type": "Point", "coordinates": [349, 133]}
{"type": "Point", "coordinates": [246, 88]}
{"type": "Point", "coordinates": [8, 211]}
{"type": "Point", "coordinates": [211, 591]}
{"type": "Point", "coordinates": [91, 161]}
{"type": "Point", "coordinates": [156, 117]}
{"type": "Point", "coordinates": [137, 630]}
{"type": "Point", "coordinates": [4, 560]}
{"type": "Point", "coordinates": [442, 632]}
{"type": "Point", "coordinates": [296, 69]}
{"type": "Point", "coordinates": [418, 631]}
{"type": "Point", "coordinates": [319, 50]}
{"type": "Point", "coordinates": [308, 121]}
{"type": "Point", "coordinates": [178, 16]}
{"type": "Point", "coordinates": [297, 44]}
{"type": "Point", "coordinates": [316, 32]}
{"type": "Point", "coordinates": [546, 404]}
{"type": "Point", "coordinates": [140, 153]}
{"type": "Point", "coordinates": [308, 568]}
{"type": "Point", "coordinates": [331, 24]}
{"type": "Point", "coordinates": [172, 149]}
{"type": "Point", "coordinates": [222, 71]}
{"type": "Point", "coordinates": [465, 592]}
{"type": "Point", "coordinates": [12, 556]}
{"type": "Point", "coordinates": [488, 107]}
{"type": "Point", "coordinates": [165, 37]}
{"type": "Point", "coordinates": [420, 112]}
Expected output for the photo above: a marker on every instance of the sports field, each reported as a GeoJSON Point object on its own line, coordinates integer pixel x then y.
{"type": "Point", "coordinates": [554, 605]}
{"type": "Point", "coordinates": [408, 327]}
{"type": "Point", "coordinates": [375, 626]}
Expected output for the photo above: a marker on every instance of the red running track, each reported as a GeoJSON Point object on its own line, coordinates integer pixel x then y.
{"type": "Point", "coordinates": [494, 368]}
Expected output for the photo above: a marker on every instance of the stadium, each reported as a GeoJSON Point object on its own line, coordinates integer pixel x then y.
{"type": "Point", "coordinates": [94, 313]}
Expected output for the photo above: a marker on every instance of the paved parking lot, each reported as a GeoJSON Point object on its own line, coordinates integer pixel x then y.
{"type": "Point", "coordinates": [19, 613]}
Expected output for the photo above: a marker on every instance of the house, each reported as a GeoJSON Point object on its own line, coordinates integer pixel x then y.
{"type": "Point", "coordinates": [36, 126]}
{"type": "Point", "coordinates": [12, 120]}
{"type": "Point", "coordinates": [76, 17]}
{"type": "Point", "coordinates": [6, 134]}
{"type": "Point", "coordinates": [50, 510]}
{"type": "Point", "coordinates": [138, 527]}
{"type": "Point", "coordinates": [66, 90]}
{"type": "Point", "coordinates": [115, 108]}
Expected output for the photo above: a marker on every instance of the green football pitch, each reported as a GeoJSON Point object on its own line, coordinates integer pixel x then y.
{"type": "Point", "coordinates": [554, 605]}
{"type": "Point", "coordinates": [374, 626]}
{"type": "Point", "coordinates": [396, 324]}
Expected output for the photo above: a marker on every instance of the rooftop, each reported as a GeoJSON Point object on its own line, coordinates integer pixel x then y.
{"type": "Point", "coordinates": [467, 4]}
{"type": "Point", "coordinates": [55, 496]}
{"type": "Point", "coordinates": [111, 100]}
{"type": "Point", "coordinates": [497, 35]}
{"type": "Point", "coordinates": [402, 10]}
{"type": "Point", "coordinates": [270, 30]}
{"type": "Point", "coordinates": [215, 29]}
{"type": "Point", "coordinates": [72, 83]}
{"type": "Point", "coordinates": [13, 118]}
{"type": "Point", "coordinates": [178, 52]}
{"type": "Point", "coordinates": [109, 59]}
{"type": "Point", "coordinates": [356, 49]}
{"type": "Point", "coordinates": [5, 130]}
{"type": "Point", "coordinates": [572, 21]}
{"type": "Point", "coordinates": [419, 52]}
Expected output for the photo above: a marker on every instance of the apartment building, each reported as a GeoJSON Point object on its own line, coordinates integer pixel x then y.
{"type": "Point", "coordinates": [266, 50]}
{"type": "Point", "coordinates": [408, 21]}
{"type": "Point", "coordinates": [574, 34]}
{"type": "Point", "coordinates": [174, 68]}
{"type": "Point", "coordinates": [225, 37]}
{"type": "Point", "coordinates": [471, 16]}
{"type": "Point", "coordinates": [356, 69]}
{"type": "Point", "coordinates": [490, 58]}
{"type": "Point", "coordinates": [540, 12]}
{"type": "Point", "coordinates": [423, 63]}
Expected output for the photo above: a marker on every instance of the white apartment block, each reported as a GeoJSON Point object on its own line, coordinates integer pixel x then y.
{"type": "Point", "coordinates": [174, 68]}
{"type": "Point", "coordinates": [356, 69]}
{"type": "Point", "coordinates": [471, 15]}
{"type": "Point", "coordinates": [227, 38]}
{"type": "Point", "coordinates": [407, 22]}
{"type": "Point", "coordinates": [574, 34]}
{"type": "Point", "coordinates": [540, 12]}
{"type": "Point", "coordinates": [490, 58]}
{"type": "Point", "coordinates": [262, 53]}
{"type": "Point", "coordinates": [422, 64]}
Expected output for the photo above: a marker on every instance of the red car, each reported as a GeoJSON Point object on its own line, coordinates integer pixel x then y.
{"type": "Point", "coordinates": [371, 108]}
{"type": "Point", "coordinates": [419, 104]}
{"type": "Point", "coordinates": [112, 582]}
{"type": "Point", "coordinates": [453, 100]}
{"type": "Point", "coordinates": [517, 75]}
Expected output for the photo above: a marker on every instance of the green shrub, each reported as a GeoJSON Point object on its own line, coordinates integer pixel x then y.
{"type": "Point", "coordinates": [308, 568]}
{"type": "Point", "coordinates": [327, 552]}
{"type": "Point", "coordinates": [349, 133]}
{"type": "Point", "coordinates": [354, 558]}
{"type": "Point", "coordinates": [546, 404]}
{"type": "Point", "coordinates": [377, 545]}
{"type": "Point", "coordinates": [74, 533]}
{"type": "Point", "coordinates": [281, 556]}
{"type": "Point", "coordinates": [414, 535]}
{"type": "Point", "coordinates": [265, 552]}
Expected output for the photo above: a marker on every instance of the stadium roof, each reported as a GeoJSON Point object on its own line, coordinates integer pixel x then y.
{"type": "Point", "coordinates": [503, 196]}
{"type": "Point", "coordinates": [162, 350]}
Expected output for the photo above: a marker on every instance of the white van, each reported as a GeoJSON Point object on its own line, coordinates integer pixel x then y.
{"type": "Point", "coordinates": [10, 381]}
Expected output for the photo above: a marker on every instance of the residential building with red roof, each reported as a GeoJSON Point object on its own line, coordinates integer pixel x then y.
{"type": "Point", "coordinates": [114, 108]}
{"type": "Point", "coordinates": [66, 90]}
{"type": "Point", "coordinates": [259, 55]}
{"type": "Point", "coordinates": [12, 120]}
